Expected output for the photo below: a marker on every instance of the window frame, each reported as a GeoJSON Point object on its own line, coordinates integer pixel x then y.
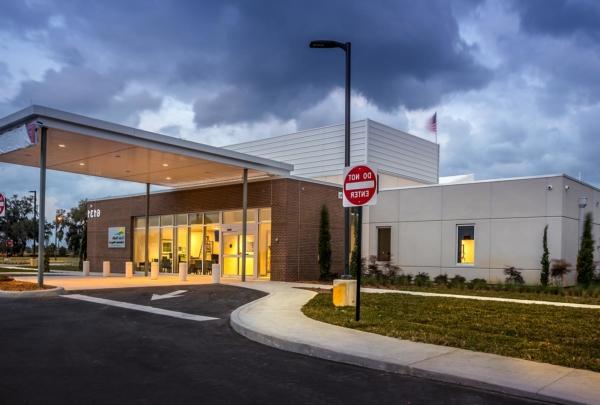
{"type": "Point", "coordinates": [389, 228]}
{"type": "Point", "coordinates": [457, 242]}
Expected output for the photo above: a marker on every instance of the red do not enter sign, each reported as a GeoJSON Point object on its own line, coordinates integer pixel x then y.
{"type": "Point", "coordinates": [360, 186]}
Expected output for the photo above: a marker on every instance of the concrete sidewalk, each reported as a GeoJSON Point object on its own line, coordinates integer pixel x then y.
{"type": "Point", "coordinates": [276, 320]}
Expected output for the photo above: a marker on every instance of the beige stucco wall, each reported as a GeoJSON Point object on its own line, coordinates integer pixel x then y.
{"type": "Point", "coordinates": [509, 218]}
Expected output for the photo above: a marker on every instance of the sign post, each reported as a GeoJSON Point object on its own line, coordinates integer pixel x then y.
{"type": "Point", "coordinates": [360, 189]}
{"type": "Point", "coordinates": [2, 206]}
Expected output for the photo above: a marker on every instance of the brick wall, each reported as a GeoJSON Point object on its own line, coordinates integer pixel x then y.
{"type": "Point", "coordinates": [295, 222]}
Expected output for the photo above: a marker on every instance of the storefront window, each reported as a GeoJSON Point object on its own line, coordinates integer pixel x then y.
{"type": "Point", "coordinates": [182, 242]}
{"type": "Point", "coordinates": [181, 219]}
{"type": "Point", "coordinates": [264, 215]}
{"type": "Point", "coordinates": [166, 249]}
{"type": "Point", "coordinates": [264, 250]}
{"type": "Point", "coordinates": [166, 220]}
{"type": "Point", "coordinates": [195, 219]}
{"type": "Point", "coordinates": [235, 217]}
{"type": "Point", "coordinates": [212, 218]}
{"type": "Point", "coordinates": [196, 241]}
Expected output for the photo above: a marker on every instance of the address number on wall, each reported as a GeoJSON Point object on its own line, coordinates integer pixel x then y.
{"type": "Point", "coordinates": [95, 213]}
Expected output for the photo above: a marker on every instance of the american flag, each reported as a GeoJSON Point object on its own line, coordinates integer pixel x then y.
{"type": "Point", "coordinates": [432, 123]}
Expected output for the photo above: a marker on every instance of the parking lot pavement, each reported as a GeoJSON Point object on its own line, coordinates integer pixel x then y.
{"type": "Point", "coordinates": [59, 350]}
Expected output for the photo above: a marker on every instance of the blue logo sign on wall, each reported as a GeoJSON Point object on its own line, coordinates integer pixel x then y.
{"type": "Point", "coordinates": [116, 237]}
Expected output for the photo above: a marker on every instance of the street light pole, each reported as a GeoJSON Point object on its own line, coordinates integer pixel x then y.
{"type": "Point", "coordinates": [347, 47]}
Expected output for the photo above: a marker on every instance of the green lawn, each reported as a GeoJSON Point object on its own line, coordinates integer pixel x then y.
{"type": "Point", "coordinates": [577, 295]}
{"type": "Point", "coordinates": [564, 336]}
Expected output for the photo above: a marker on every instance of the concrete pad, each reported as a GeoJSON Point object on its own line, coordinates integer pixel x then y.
{"type": "Point", "coordinates": [489, 369]}
{"type": "Point", "coordinates": [578, 386]}
{"type": "Point", "coordinates": [95, 281]}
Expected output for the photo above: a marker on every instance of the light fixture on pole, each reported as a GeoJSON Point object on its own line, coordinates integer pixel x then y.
{"type": "Point", "coordinates": [347, 47]}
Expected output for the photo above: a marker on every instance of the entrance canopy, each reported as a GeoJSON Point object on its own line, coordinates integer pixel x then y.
{"type": "Point", "coordinates": [78, 144]}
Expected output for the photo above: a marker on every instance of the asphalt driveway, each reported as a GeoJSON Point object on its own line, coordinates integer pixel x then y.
{"type": "Point", "coordinates": [59, 350]}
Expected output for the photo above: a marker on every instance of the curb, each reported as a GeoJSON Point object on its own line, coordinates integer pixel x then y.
{"type": "Point", "coordinates": [297, 346]}
{"type": "Point", "coordinates": [50, 292]}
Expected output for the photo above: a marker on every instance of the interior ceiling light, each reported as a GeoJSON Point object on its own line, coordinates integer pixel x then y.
{"type": "Point", "coordinates": [167, 178]}
{"type": "Point", "coordinates": [81, 164]}
{"type": "Point", "coordinates": [62, 145]}
{"type": "Point", "coordinates": [165, 165]}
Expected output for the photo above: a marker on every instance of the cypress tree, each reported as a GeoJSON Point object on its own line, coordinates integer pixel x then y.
{"type": "Point", "coordinates": [324, 245]}
{"type": "Point", "coordinates": [545, 262]}
{"type": "Point", "coordinates": [585, 258]}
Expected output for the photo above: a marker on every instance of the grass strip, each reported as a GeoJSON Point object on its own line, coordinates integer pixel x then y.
{"type": "Point", "coordinates": [563, 336]}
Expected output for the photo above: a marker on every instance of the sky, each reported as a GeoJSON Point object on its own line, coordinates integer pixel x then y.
{"type": "Point", "coordinates": [514, 83]}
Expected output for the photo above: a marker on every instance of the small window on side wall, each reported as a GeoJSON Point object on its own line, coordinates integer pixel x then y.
{"type": "Point", "coordinates": [465, 249]}
{"type": "Point", "coordinates": [384, 244]}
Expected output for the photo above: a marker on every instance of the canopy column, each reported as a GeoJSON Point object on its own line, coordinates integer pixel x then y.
{"type": "Point", "coordinates": [244, 221]}
{"type": "Point", "coordinates": [147, 226]}
{"type": "Point", "coordinates": [42, 209]}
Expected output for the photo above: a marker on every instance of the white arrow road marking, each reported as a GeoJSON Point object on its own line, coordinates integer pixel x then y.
{"type": "Point", "coordinates": [173, 294]}
{"type": "Point", "coordinates": [143, 308]}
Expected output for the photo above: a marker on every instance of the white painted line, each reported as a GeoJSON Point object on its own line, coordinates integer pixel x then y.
{"type": "Point", "coordinates": [174, 294]}
{"type": "Point", "coordinates": [143, 308]}
{"type": "Point", "coordinates": [360, 185]}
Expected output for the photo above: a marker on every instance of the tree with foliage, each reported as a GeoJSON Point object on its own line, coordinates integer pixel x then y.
{"type": "Point", "coordinates": [76, 235]}
{"type": "Point", "coordinates": [559, 269]}
{"type": "Point", "coordinates": [324, 245]}
{"type": "Point", "coordinates": [585, 257]}
{"type": "Point", "coordinates": [18, 224]}
{"type": "Point", "coordinates": [545, 262]}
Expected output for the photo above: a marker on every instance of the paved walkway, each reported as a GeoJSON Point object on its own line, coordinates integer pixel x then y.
{"type": "Point", "coordinates": [480, 298]}
{"type": "Point", "coordinates": [276, 320]}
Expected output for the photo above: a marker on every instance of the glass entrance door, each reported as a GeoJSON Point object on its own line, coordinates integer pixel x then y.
{"type": "Point", "coordinates": [232, 254]}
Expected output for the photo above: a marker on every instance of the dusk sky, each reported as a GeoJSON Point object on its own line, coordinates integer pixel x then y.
{"type": "Point", "coordinates": [515, 84]}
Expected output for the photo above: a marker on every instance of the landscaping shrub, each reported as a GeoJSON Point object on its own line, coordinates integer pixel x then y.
{"type": "Point", "coordinates": [478, 284]}
{"type": "Point", "coordinates": [422, 280]}
{"type": "Point", "coordinates": [545, 262]}
{"type": "Point", "coordinates": [324, 246]}
{"type": "Point", "coordinates": [559, 269]}
{"type": "Point", "coordinates": [442, 279]}
{"type": "Point", "coordinates": [513, 276]}
{"type": "Point", "coordinates": [404, 279]}
{"type": "Point", "coordinates": [585, 257]}
{"type": "Point", "coordinates": [458, 281]}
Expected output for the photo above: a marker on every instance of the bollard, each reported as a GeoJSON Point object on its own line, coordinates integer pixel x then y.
{"type": "Point", "coordinates": [105, 268]}
{"type": "Point", "coordinates": [216, 273]}
{"type": "Point", "coordinates": [344, 293]}
{"type": "Point", "coordinates": [128, 269]}
{"type": "Point", "coordinates": [154, 271]}
{"type": "Point", "coordinates": [183, 271]}
{"type": "Point", "coordinates": [86, 268]}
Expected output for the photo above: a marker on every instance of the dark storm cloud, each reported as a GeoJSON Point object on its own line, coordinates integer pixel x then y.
{"type": "Point", "coordinates": [255, 55]}
{"type": "Point", "coordinates": [560, 17]}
